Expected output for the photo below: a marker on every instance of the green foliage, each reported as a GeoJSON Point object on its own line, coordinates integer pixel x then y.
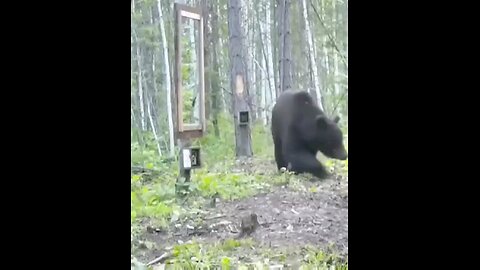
{"type": "Point", "coordinates": [226, 263]}
{"type": "Point", "coordinates": [150, 34]}
{"type": "Point", "coordinates": [337, 166]}
{"type": "Point", "coordinates": [146, 154]}
{"type": "Point", "coordinates": [186, 59]}
{"type": "Point", "coordinates": [230, 244]}
{"type": "Point", "coordinates": [262, 141]}
{"type": "Point", "coordinates": [219, 256]}
{"type": "Point", "coordinates": [136, 17]}
{"type": "Point", "coordinates": [198, 256]}
{"type": "Point", "coordinates": [320, 259]}
{"type": "Point", "coordinates": [228, 185]}
{"type": "Point", "coordinates": [157, 198]}
{"type": "Point", "coordinates": [187, 106]}
{"type": "Point", "coordinates": [221, 149]}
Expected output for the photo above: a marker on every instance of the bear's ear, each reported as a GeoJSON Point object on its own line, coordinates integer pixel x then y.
{"type": "Point", "coordinates": [336, 119]}
{"type": "Point", "coordinates": [321, 121]}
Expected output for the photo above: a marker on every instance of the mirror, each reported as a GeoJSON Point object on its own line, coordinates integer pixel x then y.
{"type": "Point", "coordinates": [190, 68]}
{"type": "Point", "coordinates": [190, 72]}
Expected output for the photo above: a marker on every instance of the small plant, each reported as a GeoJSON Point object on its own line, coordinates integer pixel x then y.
{"type": "Point", "coordinates": [230, 244]}
{"type": "Point", "coordinates": [321, 259]}
{"type": "Point", "coordinates": [153, 197]}
{"type": "Point", "coordinates": [226, 263]}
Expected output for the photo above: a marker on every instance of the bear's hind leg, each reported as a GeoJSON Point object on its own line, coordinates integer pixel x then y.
{"type": "Point", "coordinates": [307, 163]}
{"type": "Point", "coordinates": [279, 155]}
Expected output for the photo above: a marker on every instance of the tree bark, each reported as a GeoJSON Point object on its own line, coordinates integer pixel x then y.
{"type": "Point", "coordinates": [312, 56]}
{"type": "Point", "coordinates": [215, 77]}
{"type": "Point", "coordinates": [238, 83]}
{"type": "Point", "coordinates": [285, 47]}
{"type": "Point", "coordinates": [139, 78]}
{"type": "Point", "coordinates": [171, 139]}
{"type": "Point", "coordinates": [269, 60]}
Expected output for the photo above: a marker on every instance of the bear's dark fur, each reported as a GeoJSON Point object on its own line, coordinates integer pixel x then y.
{"type": "Point", "coordinates": [300, 129]}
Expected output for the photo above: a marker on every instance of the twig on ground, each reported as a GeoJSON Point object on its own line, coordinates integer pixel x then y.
{"type": "Point", "coordinates": [160, 259]}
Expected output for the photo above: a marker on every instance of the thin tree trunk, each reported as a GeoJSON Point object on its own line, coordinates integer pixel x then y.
{"type": "Point", "coordinates": [223, 66]}
{"type": "Point", "coordinates": [335, 53]}
{"type": "Point", "coordinates": [324, 46]}
{"type": "Point", "coordinates": [141, 141]}
{"type": "Point", "coordinates": [255, 81]}
{"type": "Point", "coordinates": [247, 40]}
{"type": "Point", "coordinates": [152, 124]}
{"type": "Point", "coordinates": [266, 90]}
{"type": "Point", "coordinates": [215, 78]}
{"type": "Point", "coordinates": [206, 57]}
{"type": "Point", "coordinates": [275, 43]}
{"type": "Point", "coordinates": [280, 15]}
{"type": "Point", "coordinates": [153, 120]}
{"type": "Point", "coordinates": [139, 78]}
{"type": "Point", "coordinates": [311, 55]}
{"type": "Point", "coordinates": [285, 46]}
{"type": "Point", "coordinates": [171, 139]}
{"type": "Point", "coordinates": [269, 60]}
{"type": "Point", "coordinates": [140, 90]}
{"type": "Point", "coordinates": [260, 71]}
{"type": "Point", "coordinates": [345, 18]}
{"type": "Point", "coordinates": [263, 95]}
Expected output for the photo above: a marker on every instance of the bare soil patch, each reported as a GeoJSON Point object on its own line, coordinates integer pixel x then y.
{"type": "Point", "coordinates": [291, 217]}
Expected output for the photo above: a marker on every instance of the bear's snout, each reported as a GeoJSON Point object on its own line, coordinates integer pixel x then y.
{"type": "Point", "coordinates": [341, 154]}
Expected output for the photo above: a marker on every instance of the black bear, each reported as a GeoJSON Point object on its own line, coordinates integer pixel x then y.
{"type": "Point", "coordinates": [300, 129]}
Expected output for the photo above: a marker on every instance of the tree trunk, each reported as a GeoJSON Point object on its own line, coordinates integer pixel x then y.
{"type": "Point", "coordinates": [285, 46]}
{"type": "Point", "coordinates": [345, 18]}
{"type": "Point", "coordinates": [335, 53]}
{"type": "Point", "coordinates": [266, 95]}
{"type": "Point", "coordinates": [247, 41]}
{"type": "Point", "coordinates": [171, 138]}
{"type": "Point", "coordinates": [324, 46]}
{"type": "Point", "coordinates": [275, 43]}
{"type": "Point", "coordinates": [269, 60]}
{"type": "Point", "coordinates": [215, 77]}
{"type": "Point", "coordinates": [263, 94]}
{"type": "Point", "coordinates": [152, 96]}
{"type": "Point", "coordinates": [206, 58]}
{"type": "Point", "coordinates": [152, 123]}
{"type": "Point", "coordinates": [222, 57]}
{"type": "Point", "coordinates": [139, 78]}
{"type": "Point", "coordinates": [238, 77]}
{"type": "Point", "coordinates": [312, 56]}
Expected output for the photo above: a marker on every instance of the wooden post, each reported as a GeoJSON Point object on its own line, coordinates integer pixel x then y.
{"type": "Point", "coordinates": [185, 132]}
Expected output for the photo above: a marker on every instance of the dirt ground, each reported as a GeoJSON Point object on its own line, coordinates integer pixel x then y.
{"type": "Point", "coordinates": [316, 213]}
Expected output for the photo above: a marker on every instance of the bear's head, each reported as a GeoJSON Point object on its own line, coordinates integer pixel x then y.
{"type": "Point", "coordinates": [329, 137]}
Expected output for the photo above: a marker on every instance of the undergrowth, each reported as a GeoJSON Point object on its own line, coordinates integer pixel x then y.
{"type": "Point", "coordinates": [154, 196]}
{"type": "Point", "coordinates": [221, 255]}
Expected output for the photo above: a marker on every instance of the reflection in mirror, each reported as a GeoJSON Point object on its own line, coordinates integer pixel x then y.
{"type": "Point", "coordinates": [189, 39]}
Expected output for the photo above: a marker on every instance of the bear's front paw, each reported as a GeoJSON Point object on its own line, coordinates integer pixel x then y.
{"type": "Point", "coordinates": [323, 175]}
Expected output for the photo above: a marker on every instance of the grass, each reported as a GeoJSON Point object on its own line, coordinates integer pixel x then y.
{"type": "Point", "coordinates": [221, 255]}
{"type": "Point", "coordinates": [156, 197]}
{"type": "Point", "coordinates": [153, 197]}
